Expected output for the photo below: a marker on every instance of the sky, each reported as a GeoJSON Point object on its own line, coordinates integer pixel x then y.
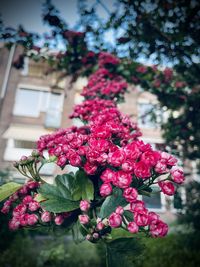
{"type": "Point", "coordinates": [28, 12]}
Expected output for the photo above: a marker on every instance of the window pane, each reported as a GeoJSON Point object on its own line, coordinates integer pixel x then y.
{"type": "Point", "coordinates": [44, 101]}
{"type": "Point", "coordinates": [24, 144]}
{"type": "Point", "coordinates": [27, 103]}
{"type": "Point", "coordinates": [145, 115]}
{"type": "Point", "coordinates": [56, 102]}
{"type": "Point", "coordinates": [53, 115]}
{"type": "Point", "coordinates": [153, 202]}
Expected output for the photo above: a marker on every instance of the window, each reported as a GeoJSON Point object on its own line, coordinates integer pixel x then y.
{"type": "Point", "coordinates": [54, 111]}
{"type": "Point", "coordinates": [149, 116]}
{"type": "Point", "coordinates": [27, 103]}
{"type": "Point", "coordinates": [156, 202]}
{"type": "Point", "coordinates": [31, 103]}
{"type": "Point", "coordinates": [16, 148]}
{"type": "Point", "coordinates": [178, 200]}
{"type": "Point", "coordinates": [24, 144]}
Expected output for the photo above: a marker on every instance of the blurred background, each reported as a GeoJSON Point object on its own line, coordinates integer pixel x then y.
{"type": "Point", "coordinates": [47, 51]}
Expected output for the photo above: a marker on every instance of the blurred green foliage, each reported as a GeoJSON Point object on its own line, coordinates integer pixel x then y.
{"type": "Point", "coordinates": [176, 250]}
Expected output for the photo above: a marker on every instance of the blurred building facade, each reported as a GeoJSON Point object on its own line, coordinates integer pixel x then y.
{"type": "Point", "coordinates": [31, 106]}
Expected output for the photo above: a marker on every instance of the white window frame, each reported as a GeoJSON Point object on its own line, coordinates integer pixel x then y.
{"type": "Point", "coordinates": [41, 89]}
{"type": "Point", "coordinates": [163, 204]}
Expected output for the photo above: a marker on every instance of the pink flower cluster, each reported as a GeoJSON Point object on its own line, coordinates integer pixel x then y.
{"type": "Point", "coordinates": [138, 160]}
{"type": "Point", "coordinates": [91, 108]}
{"type": "Point", "coordinates": [142, 218]}
{"type": "Point", "coordinates": [26, 211]}
{"type": "Point", "coordinates": [106, 59]}
{"type": "Point", "coordinates": [90, 146]}
{"type": "Point", "coordinates": [103, 83]}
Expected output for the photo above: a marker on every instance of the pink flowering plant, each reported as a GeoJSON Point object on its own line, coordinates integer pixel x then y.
{"type": "Point", "coordinates": [114, 170]}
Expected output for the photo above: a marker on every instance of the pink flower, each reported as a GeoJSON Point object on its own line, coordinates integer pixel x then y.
{"type": "Point", "coordinates": [168, 73]}
{"type": "Point", "coordinates": [119, 210]}
{"type": "Point", "coordinates": [108, 176]}
{"type": "Point", "coordinates": [150, 157]}
{"type": "Point", "coordinates": [32, 185]}
{"type": "Point", "coordinates": [14, 197]}
{"type": "Point", "coordinates": [141, 217]}
{"type": "Point", "coordinates": [33, 205]}
{"type": "Point", "coordinates": [167, 187]}
{"type": "Point", "coordinates": [13, 224]}
{"type": "Point", "coordinates": [137, 205]}
{"type": "Point", "coordinates": [105, 189]}
{"type": "Point", "coordinates": [23, 190]}
{"type": "Point", "coordinates": [128, 166]}
{"type": "Point", "coordinates": [123, 179]}
{"type": "Point", "coordinates": [130, 194]}
{"type": "Point", "coordinates": [115, 220]}
{"type": "Point", "coordinates": [116, 158]}
{"type": "Point", "coordinates": [159, 229]}
{"type": "Point", "coordinates": [23, 219]}
{"type": "Point", "coordinates": [168, 159]}
{"type": "Point", "coordinates": [161, 167]}
{"type": "Point", "coordinates": [90, 168]}
{"type": "Point", "coordinates": [75, 159]}
{"type": "Point", "coordinates": [95, 235]}
{"type": "Point", "coordinates": [153, 217]}
{"type": "Point", "coordinates": [6, 207]}
{"type": "Point", "coordinates": [157, 83]}
{"type": "Point", "coordinates": [141, 69]}
{"type": "Point", "coordinates": [177, 175]}
{"type": "Point", "coordinates": [46, 216]}
{"type": "Point", "coordinates": [62, 161]}
{"type": "Point", "coordinates": [142, 170]}
{"type": "Point", "coordinates": [32, 219]}
{"type": "Point", "coordinates": [27, 199]}
{"type": "Point", "coordinates": [20, 209]}
{"type": "Point", "coordinates": [84, 205]}
{"type": "Point", "coordinates": [84, 219]}
{"type": "Point", "coordinates": [59, 219]}
{"type": "Point", "coordinates": [100, 226]}
{"type": "Point", "coordinates": [133, 227]}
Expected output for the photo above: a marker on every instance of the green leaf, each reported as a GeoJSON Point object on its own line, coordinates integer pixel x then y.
{"type": "Point", "coordinates": [8, 189]}
{"type": "Point", "coordinates": [111, 202]}
{"type": "Point", "coordinates": [66, 184]}
{"type": "Point", "coordinates": [39, 198]}
{"type": "Point", "coordinates": [128, 215]}
{"type": "Point", "coordinates": [59, 204]}
{"type": "Point", "coordinates": [56, 200]}
{"type": "Point", "coordinates": [122, 252]}
{"type": "Point", "coordinates": [85, 187]}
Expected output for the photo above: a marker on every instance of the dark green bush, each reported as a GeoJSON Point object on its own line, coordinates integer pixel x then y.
{"type": "Point", "coordinates": [175, 250]}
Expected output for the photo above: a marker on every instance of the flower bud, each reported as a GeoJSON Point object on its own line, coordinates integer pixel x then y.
{"type": "Point", "coordinates": [100, 226]}
{"type": "Point", "coordinates": [46, 216]}
{"type": "Point", "coordinates": [115, 220]}
{"type": "Point", "coordinates": [35, 153]}
{"type": "Point", "coordinates": [132, 227]}
{"type": "Point", "coordinates": [105, 189]}
{"type": "Point", "coordinates": [130, 194]}
{"type": "Point", "coordinates": [119, 210]}
{"type": "Point", "coordinates": [95, 235]}
{"type": "Point", "coordinates": [32, 219]}
{"type": "Point", "coordinates": [33, 205]}
{"type": "Point", "coordinates": [84, 219]}
{"type": "Point", "coordinates": [84, 205]}
{"type": "Point", "coordinates": [167, 187]}
{"type": "Point", "coordinates": [59, 219]}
